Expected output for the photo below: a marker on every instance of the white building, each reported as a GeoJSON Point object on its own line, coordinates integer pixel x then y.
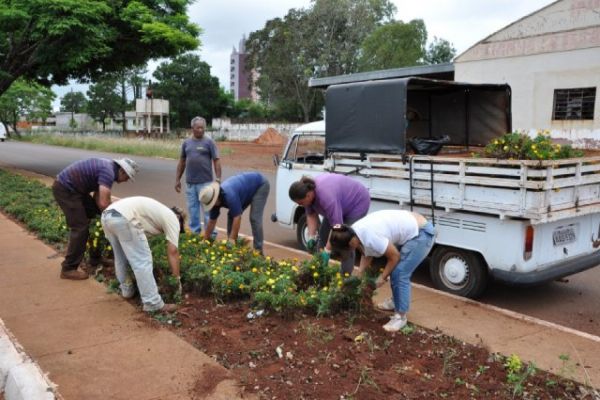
{"type": "Point", "coordinates": [551, 60]}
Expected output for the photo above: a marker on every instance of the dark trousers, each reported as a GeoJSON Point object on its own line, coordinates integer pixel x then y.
{"type": "Point", "coordinates": [78, 209]}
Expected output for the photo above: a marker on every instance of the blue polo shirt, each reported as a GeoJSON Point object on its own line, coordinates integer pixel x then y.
{"type": "Point", "coordinates": [237, 193]}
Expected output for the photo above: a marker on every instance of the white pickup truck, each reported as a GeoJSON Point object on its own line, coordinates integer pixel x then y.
{"type": "Point", "coordinates": [517, 221]}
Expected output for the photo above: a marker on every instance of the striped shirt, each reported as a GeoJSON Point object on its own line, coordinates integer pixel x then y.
{"type": "Point", "coordinates": [85, 176]}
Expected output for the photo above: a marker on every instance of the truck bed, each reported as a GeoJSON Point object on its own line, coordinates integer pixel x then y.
{"type": "Point", "coordinates": [541, 191]}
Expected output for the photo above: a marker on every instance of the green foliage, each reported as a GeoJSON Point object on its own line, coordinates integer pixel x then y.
{"type": "Point", "coordinates": [439, 51]}
{"type": "Point", "coordinates": [74, 102]}
{"type": "Point", "coordinates": [393, 45]}
{"type": "Point", "coordinates": [105, 101]}
{"type": "Point", "coordinates": [322, 40]}
{"type": "Point", "coordinates": [518, 146]}
{"type": "Point", "coordinates": [52, 41]}
{"type": "Point", "coordinates": [190, 88]}
{"type": "Point", "coordinates": [25, 98]}
{"type": "Point", "coordinates": [517, 373]}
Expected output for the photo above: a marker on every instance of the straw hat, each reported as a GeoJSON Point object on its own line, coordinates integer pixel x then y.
{"type": "Point", "coordinates": [209, 195]}
{"type": "Point", "coordinates": [129, 166]}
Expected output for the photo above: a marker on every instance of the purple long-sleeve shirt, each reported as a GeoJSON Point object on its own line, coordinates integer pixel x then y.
{"type": "Point", "coordinates": [338, 198]}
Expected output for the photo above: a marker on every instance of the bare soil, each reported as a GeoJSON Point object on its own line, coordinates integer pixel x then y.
{"type": "Point", "coordinates": [348, 356]}
{"type": "Point", "coordinates": [247, 155]}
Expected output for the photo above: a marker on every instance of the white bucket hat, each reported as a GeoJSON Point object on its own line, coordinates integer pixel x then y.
{"type": "Point", "coordinates": [209, 195]}
{"type": "Point", "coordinates": [129, 166]}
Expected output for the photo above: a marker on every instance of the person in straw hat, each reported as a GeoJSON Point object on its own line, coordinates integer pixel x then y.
{"type": "Point", "coordinates": [83, 190]}
{"type": "Point", "coordinates": [236, 194]}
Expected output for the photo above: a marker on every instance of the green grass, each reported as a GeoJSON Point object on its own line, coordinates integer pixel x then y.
{"type": "Point", "coordinates": [169, 148]}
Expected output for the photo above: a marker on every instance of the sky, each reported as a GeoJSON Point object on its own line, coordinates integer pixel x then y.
{"type": "Point", "coordinates": [224, 22]}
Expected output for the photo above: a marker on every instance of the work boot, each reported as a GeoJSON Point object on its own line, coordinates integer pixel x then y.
{"type": "Point", "coordinates": [73, 274]}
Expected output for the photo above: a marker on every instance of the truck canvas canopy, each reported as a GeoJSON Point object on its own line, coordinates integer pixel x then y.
{"type": "Point", "coordinates": [381, 116]}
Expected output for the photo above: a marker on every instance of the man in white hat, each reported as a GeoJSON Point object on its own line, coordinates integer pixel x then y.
{"type": "Point", "coordinates": [236, 194]}
{"type": "Point", "coordinates": [83, 190]}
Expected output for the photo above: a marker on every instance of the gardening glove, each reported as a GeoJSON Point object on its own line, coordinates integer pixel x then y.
{"type": "Point", "coordinates": [311, 244]}
{"type": "Point", "coordinates": [325, 256]}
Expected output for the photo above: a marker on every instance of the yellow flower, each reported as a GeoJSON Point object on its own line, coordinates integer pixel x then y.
{"type": "Point", "coordinates": [270, 281]}
{"type": "Point", "coordinates": [254, 270]}
{"type": "Point", "coordinates": [315, 274]}
{"type": "Point", "coordinates": [241, 286]}
{"type": "Point", "coordinates": [214, 272]}
{"type": "Point", "coordinates": [109, 248]}
{"type": "Point", "coordinates": [505, 148]}
{"type": "Point", "coordinates": [268, 272]}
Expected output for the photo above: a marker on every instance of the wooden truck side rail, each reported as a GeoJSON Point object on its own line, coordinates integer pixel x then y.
{"type": "Point", "coordinates": [541, 191]}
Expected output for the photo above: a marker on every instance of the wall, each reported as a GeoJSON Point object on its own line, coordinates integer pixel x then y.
{"type": "Point", "coordinates": [557, 47]}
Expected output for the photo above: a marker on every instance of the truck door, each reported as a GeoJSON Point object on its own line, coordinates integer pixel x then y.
{"type": "Point", "coordinates": [304, 155]}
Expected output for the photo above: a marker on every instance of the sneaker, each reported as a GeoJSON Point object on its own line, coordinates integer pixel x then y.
{"type": "Point", "coordinates": [396, 323]}
{"type": "Point", "coordinates": [387, 305]}
{"type": "Point", "coordinates": [74, 274]}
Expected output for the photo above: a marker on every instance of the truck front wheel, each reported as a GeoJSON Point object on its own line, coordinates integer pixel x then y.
{"type": "Point", "coordinates": [302, 232]}
{"type": "Point", "coordinates": [457, 271]}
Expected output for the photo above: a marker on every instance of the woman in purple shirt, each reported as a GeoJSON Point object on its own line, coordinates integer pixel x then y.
{"type": "Point", "coordinates": [338, 198]}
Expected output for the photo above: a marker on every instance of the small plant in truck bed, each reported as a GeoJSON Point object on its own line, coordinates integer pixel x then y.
{"type": "Point", "coordinates": [519, 146]}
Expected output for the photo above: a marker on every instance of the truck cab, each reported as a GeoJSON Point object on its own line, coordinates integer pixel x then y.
{"type": "Point", "coordinates": [304, 154]}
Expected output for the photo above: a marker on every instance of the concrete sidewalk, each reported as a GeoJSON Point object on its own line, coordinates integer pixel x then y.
{"type": "Point", "coordinates": [92, 344]}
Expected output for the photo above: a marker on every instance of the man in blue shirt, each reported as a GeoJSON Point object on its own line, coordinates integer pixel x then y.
{"type": "Point", "coordinates": [198, 156]}
{"type": "Point", "coordinates": [236, 194]}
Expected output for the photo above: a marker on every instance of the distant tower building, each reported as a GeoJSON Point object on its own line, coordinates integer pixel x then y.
{"type": "Point", "coordinates": [240, 78]}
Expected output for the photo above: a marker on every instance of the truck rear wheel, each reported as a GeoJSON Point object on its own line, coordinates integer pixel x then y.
{"type": "Point", "coordinates": [457, 271]}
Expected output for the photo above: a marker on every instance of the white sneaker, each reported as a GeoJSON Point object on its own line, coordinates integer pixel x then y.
{"type": "Point", "coordinates": [387, 305]}
{"type": "Point", "coordinates": [396, 323]}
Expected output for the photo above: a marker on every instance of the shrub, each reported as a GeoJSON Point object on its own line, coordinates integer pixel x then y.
{"type": "Point", "coordinates": [518, 146]}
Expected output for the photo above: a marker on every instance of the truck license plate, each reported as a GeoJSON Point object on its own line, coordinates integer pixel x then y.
{"type": "Point", "coordinates": [563, 235]}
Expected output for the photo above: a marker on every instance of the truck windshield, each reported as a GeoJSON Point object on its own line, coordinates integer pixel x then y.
{"type": "Point", "coordinates": [307, 149]}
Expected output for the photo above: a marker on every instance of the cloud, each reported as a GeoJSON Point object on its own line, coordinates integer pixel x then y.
{"type": "Point", "coordinates": [461, 22]}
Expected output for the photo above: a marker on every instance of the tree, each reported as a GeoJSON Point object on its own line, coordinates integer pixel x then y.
{"type": "Point", "coordinates": [53, 41]}
{"type": "Point", "coordinates": [322, 40]}
{"type": "Point", "coordinates": [394, 45]}
{"type": "Point", "coordinates": [25, 98]}
{"type": "Point", "coordinates": [74, 102]}
{"type": "Point", "coordinates": [190, 88]}
{"type": "Point", "coordinates": [439, 51]}
{"type": "Point", "coordinates": [104, 100]}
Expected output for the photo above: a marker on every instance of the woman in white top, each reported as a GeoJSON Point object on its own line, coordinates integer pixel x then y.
{"type": "Point", "coordinates": [403, 237]}
{"type": "Point", "coordinates": [126, 223]}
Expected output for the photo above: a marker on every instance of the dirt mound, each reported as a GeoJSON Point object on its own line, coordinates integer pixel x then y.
{"type": "Point", "coordinates": [271, 136]}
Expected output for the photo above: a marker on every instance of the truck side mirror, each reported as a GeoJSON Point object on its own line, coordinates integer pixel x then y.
{"type": "Point", "coordinates": [276, 160]}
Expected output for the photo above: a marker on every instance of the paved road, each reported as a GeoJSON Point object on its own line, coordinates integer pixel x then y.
{"type": "Point", "coordinates": [574, 303]}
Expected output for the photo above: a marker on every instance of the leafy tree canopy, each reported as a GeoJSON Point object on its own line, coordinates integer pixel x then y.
{"type": "Point", "coordinates": [190, 88]}
{"type": "Point", "coordinates": [394, 45]}
{"type": "Point", "coordinates": [25, 98]}
{"type": "Point", "coordinates": [53, 41]}
{"type": "Point", "coordinates": [104, 99]}
{"type": "Point", "coordinates": [321, 40]}
{"type": "Point", "coordinates": [74, 102]}
{"type": "Point", "coordinates": [440, 51]}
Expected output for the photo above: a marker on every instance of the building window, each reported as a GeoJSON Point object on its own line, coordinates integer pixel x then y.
{"type": "Point", "coordinates": [574, 104]}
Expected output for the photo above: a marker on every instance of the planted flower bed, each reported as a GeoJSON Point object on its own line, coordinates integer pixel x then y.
{"type": "Point", "coordinates": [343, 356]}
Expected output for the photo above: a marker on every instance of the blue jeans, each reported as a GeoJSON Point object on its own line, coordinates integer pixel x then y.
{"type": "Point", "coordinates": [192, 190]}
{"type": "Point", "coordinates": [412, 253]}
{"type": "Point", "coordinates": [130, 246]}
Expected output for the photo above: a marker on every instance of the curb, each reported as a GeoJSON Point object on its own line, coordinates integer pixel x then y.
{"type": "Point", "coordinates": [20, 377]}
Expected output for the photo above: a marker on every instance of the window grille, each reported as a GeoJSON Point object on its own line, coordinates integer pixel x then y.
{"type": "Point", "coordinates": [574, 104]}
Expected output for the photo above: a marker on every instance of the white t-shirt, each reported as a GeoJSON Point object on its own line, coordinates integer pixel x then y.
{"type": "Point", "coordinates": [377, 229]}
{"type": "Point", "coordinates": [152, 216]}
